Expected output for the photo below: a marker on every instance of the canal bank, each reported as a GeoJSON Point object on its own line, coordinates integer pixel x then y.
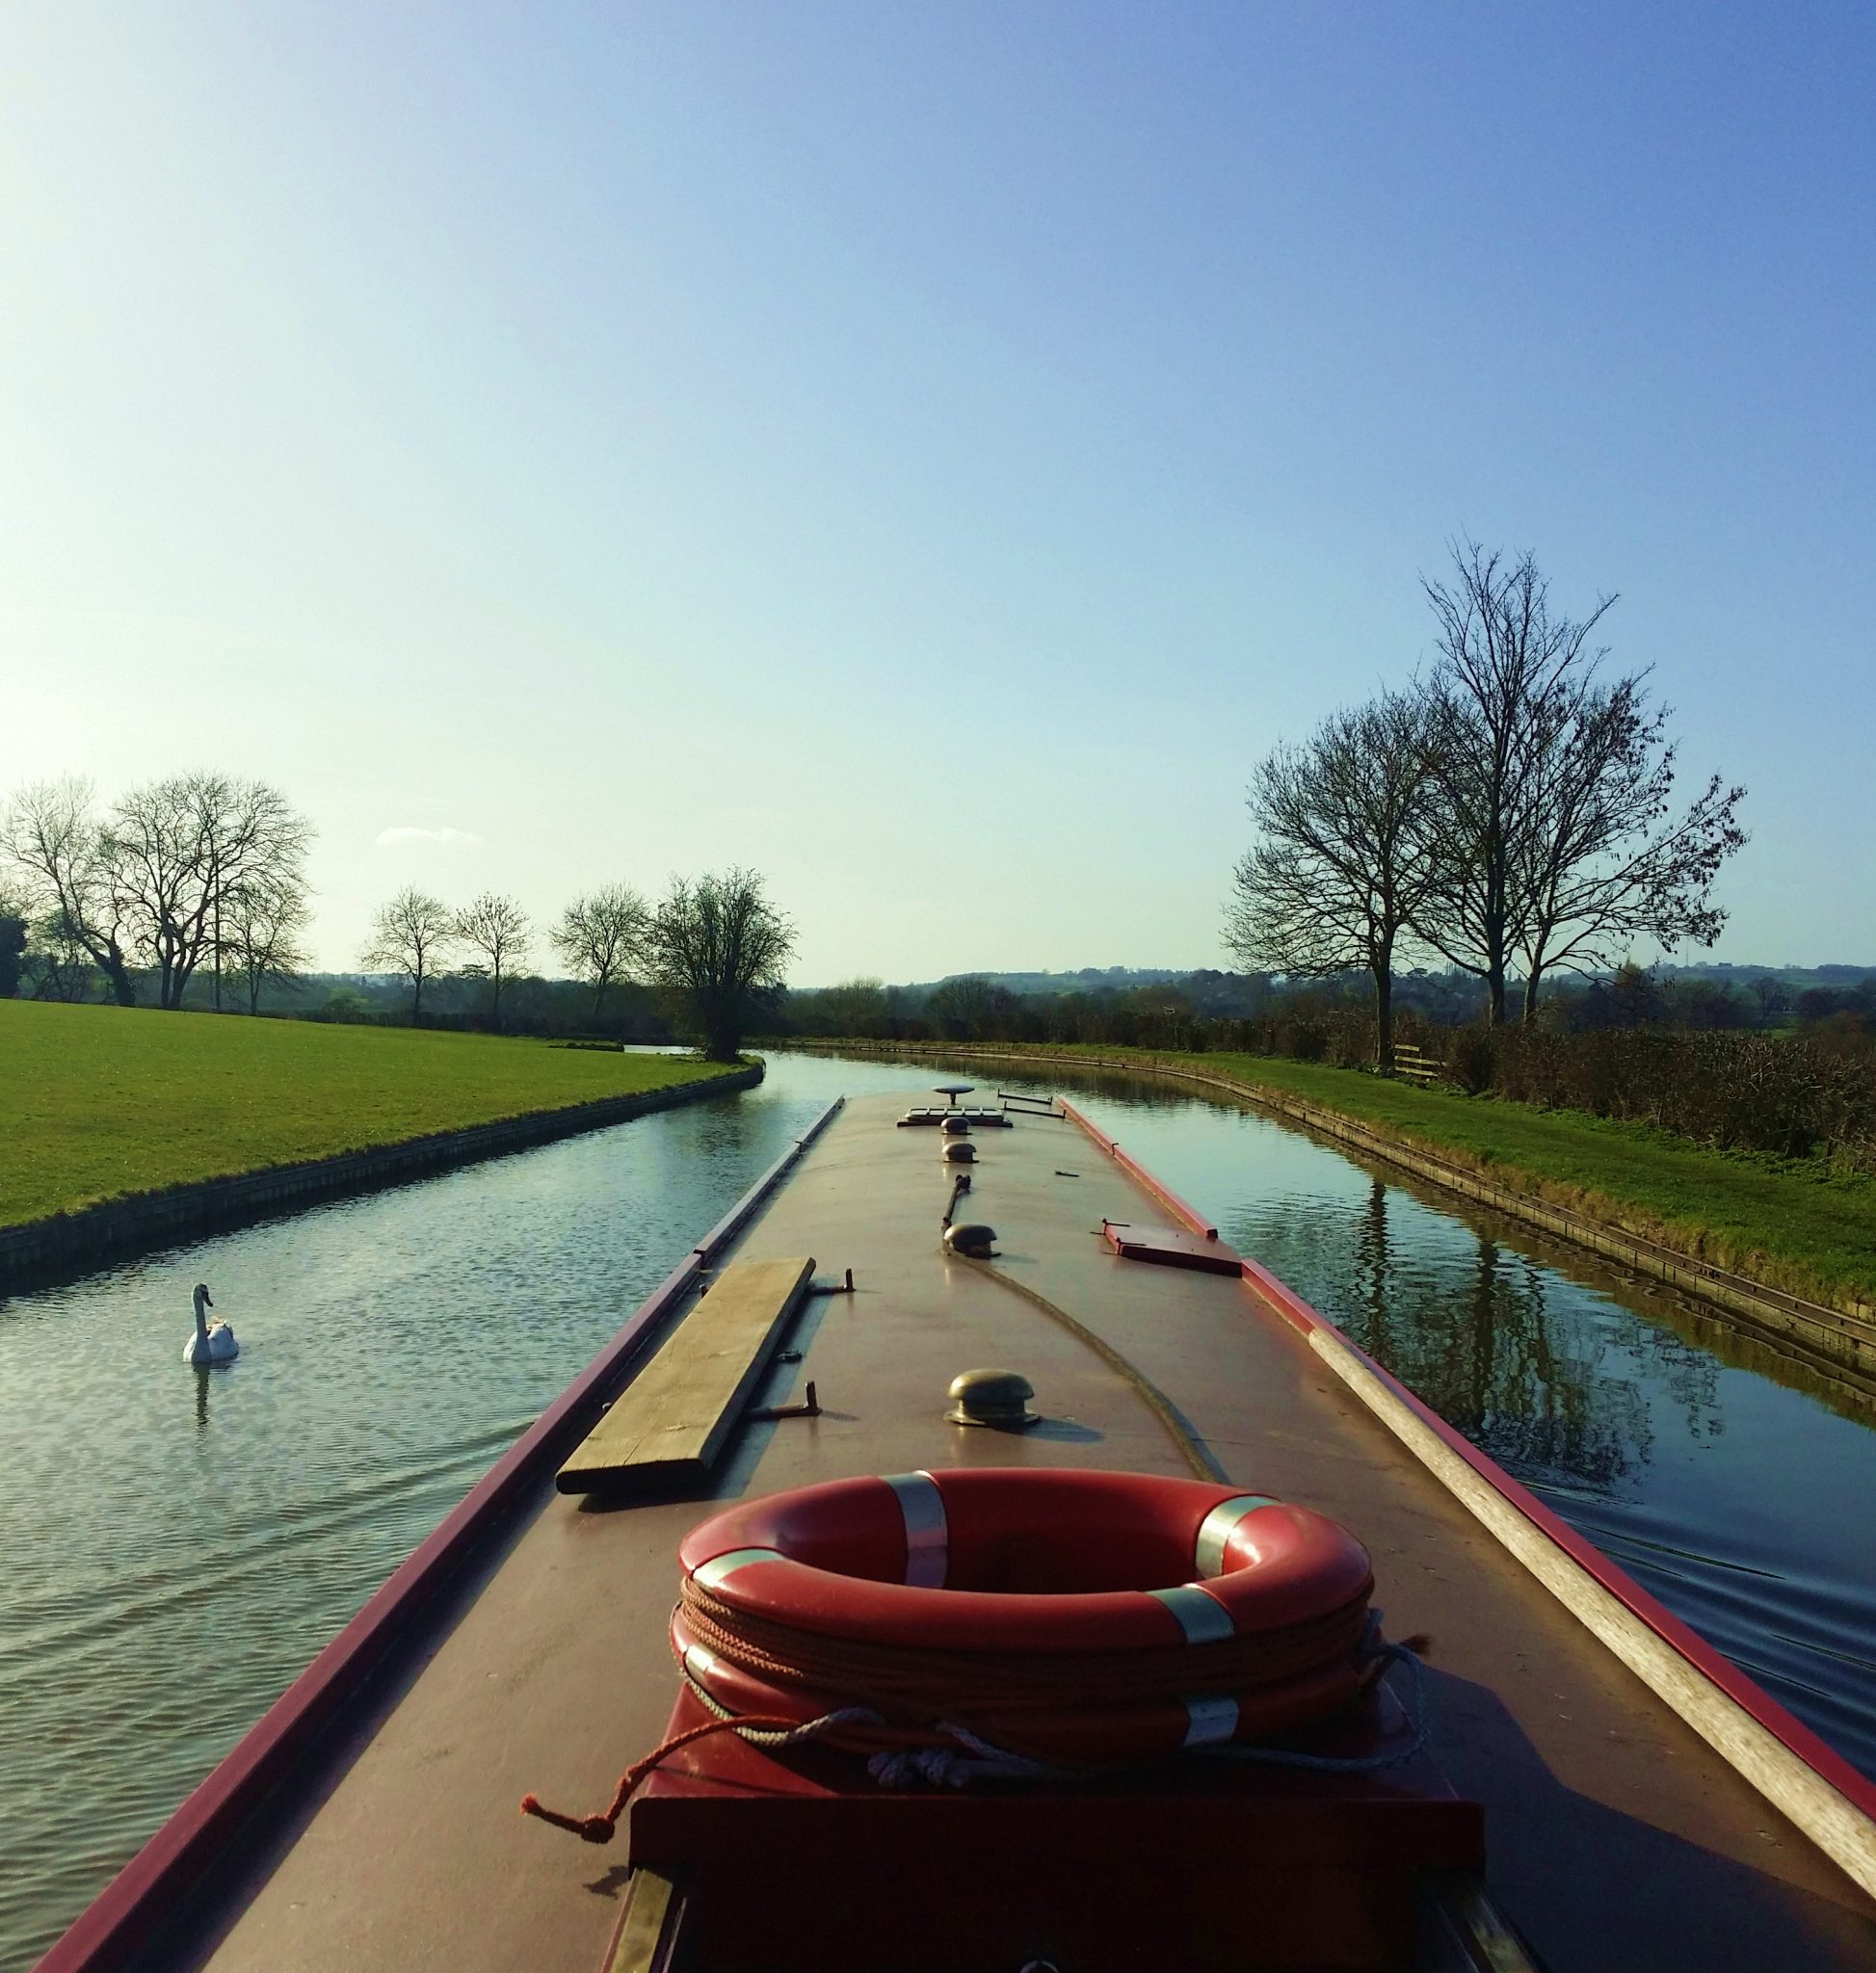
{"type": "Point", "coordinates": [119, 1228]}
{"type": "Point", "coordinates": [1839, 1340]}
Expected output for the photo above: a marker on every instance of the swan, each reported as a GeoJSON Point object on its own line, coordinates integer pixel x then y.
{"type": "Point", "coordinates": [216, 1345]}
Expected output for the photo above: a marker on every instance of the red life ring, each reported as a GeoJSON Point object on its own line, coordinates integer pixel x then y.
{"type": "Point", "coordinates": [1112, 1617]}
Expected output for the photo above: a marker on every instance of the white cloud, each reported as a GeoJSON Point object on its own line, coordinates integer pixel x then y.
{"type": "Point", "coordinates": [396, 838]}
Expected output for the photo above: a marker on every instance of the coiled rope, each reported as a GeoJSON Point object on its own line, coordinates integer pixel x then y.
{"type": "Point", "coordinates": [916, 1687]}
{"type": "Point", "coordinates": [774, 1734]}
{"type": "Point", "coordinates": [906, 1710]}
{"type": "Point", "coordinates": [949, 1754]}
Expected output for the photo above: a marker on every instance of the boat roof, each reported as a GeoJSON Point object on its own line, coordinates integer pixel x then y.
{"type": "Point", "coordinates": [533, 1656]}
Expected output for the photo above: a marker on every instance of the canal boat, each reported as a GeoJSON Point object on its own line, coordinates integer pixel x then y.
{"type": "Point", "coordinates": [966, 1559]}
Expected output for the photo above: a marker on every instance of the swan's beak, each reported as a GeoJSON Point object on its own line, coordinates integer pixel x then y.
{"type": "Point", "coordinates": [208, 1300]}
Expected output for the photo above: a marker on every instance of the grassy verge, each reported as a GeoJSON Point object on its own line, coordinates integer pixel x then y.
{"type": "Point", "coordinates": [1791, 1224]}
{"type": "Point", "coordinates": [104, 1101]}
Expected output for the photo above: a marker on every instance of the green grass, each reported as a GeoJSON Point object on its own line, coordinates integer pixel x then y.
{"type": "Point", "coordinates": [1793, 1225]}
{"type": "Point", "coordinates": [104, 1101]}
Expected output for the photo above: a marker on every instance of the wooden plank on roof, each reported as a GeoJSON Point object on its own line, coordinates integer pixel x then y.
{"type": "Point", "coordinates": [668, 1425]}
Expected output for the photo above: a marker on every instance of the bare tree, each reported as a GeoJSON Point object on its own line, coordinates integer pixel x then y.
{"type": "Point", "coordinates": [857, 1007]}
{"type": "Point", "coordinates": [718, 947]}
{"type": "Point", "coordinates": [180, 848]}
{"type": "Point", "coordinates": [1341, 866]}
{"type": "Point", "coordinates": [58, 965]}
{"type": "Point", "coordinates": [262, 926]}
{"type": "Point", "coordinates": [411, 935]}
{"type": "Point", "coordinates": [1510, 682]}
{"type": "Point", "coordinates": [1604, 861]}
{"type": "Point", "coordinates": [966, 1005]}
{"type": "Point", "coordinates": [496, 927]}
{"type": "Point", "coordinates": [53, 840]}
{"type": "Point", "coordinates": [602, 937]}
{"type": "Point", "coordinates": [12, 944]}
{"type": "Point", "coordinates": [1771, 997]}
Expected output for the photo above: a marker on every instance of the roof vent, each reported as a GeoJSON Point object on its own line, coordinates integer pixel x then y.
{"type": "Point", "coordinates": [974, 1241]}
{"type": "Point", "coordinates": [957, 1151]}
{"type": "Point", "coordinates": [996, 1398]}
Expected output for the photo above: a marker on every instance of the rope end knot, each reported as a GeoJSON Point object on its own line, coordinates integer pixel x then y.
{"type": "Point", "coordinates": [589, 1829]}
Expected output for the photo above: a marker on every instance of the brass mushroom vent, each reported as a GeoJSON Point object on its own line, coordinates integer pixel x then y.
{"type": "Point", "coordinates": [996, 1398]}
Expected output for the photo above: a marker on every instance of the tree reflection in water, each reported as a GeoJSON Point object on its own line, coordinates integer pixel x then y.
{"type": "Point", "coordinates": [1557, 1389]}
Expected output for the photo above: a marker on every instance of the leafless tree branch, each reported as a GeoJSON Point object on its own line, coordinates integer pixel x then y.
{"type": "Point", "coordinates": [1342, 864]}
{"type": "Point", "coordinates": [602, 938]}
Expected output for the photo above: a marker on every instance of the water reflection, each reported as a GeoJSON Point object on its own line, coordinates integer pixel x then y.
{"type": "Point", "coordinates": [173, 1555]}
{"type": "Point", "coordinates": [1483, 1348]}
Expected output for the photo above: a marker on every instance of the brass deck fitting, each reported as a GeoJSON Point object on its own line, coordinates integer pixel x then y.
{"type": "Point", "coordinates": [996, 1398]}
{"type": "Point", "coordinates": [972, 1241]}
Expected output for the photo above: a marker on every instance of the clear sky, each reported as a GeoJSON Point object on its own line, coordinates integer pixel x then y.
{"type": "Point", "coordinates": [925, 452]}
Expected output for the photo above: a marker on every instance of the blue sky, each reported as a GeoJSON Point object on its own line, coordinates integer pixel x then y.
{"type": "Point", "coordinates": [928, 453]}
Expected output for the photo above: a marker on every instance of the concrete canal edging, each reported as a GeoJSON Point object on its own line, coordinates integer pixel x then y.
{"type": "Point", "coordinates": [116, 1227]}
{"type": "Point", "coordinates": [1839, 1338]}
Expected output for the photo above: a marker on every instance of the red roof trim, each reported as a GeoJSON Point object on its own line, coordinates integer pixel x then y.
{"type": "Point", "coordinates": [1165, 1194]}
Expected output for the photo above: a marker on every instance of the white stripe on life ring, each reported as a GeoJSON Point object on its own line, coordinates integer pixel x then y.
{"type": "Point", "coordinates": [1211, 1719]}
{"type": "Point", "coordinates": [928, 1536]}
{"type": "Point", "coordinates": [1204, 1618]}
{"type": "Point", "coordinates": [713, 1571]}
{"type": "Point", "coordinates": [1216, 1529]}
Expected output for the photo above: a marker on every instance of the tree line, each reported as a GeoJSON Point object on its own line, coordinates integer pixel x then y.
{"type": "Point", "coordinates": [1271, 1014]}
{"type": "Point", "coordinates": [715, 947]}
{"type": "Point", "coordinates": [1683, 1054]}
{"type": "Point", "coordinates": [204, 875]}
{"type": "Point", "coordinates": [1511, 812]}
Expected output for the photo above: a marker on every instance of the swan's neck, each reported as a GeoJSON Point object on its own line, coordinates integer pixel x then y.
{"type": "Point", "coordinates": [202, 1321]}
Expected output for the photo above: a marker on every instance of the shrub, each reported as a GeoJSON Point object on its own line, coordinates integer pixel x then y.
{"type": "Point", "coordinates": [1474, 1060]}
{"type": "Point", "coordinates": [1734, 1090]}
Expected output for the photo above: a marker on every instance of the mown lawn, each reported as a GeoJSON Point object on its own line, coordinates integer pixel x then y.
{"type": "Point", "coordinates": [97, 1102]}
{"type": "Point", "coordinates": [1791, 1223]}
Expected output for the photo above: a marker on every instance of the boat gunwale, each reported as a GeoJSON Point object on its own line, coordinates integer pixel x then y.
{"type": "Point", "coordinates": [152, 1886]}
{"type": "Point", "coordinates": [1701, 1657]}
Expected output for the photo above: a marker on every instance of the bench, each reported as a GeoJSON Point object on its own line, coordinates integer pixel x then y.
{"type": "Point", "coordinates": [667, 1426]}
{"type": "Point", "coordinates": [1412, 1065]}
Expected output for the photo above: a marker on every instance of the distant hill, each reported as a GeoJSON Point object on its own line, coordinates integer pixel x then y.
{"type": "Point", "coordinates": [1441, 995]}
{"type": "Point", "coordinates": [1795, 977]}
{"type": "Point", "coordinates": [1085, 980]}
{"type": "Point", "coordinates": [1119, 979]}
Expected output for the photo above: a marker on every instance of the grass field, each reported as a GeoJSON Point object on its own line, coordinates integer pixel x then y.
{"type": "Point", "coordinates": [101, 1101]}
{"type": "Point", "coordinates": [1792, 1224]}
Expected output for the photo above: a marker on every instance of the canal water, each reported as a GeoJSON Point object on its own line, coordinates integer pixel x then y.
{"type": "Point", "coordinates": [178, 1543]}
